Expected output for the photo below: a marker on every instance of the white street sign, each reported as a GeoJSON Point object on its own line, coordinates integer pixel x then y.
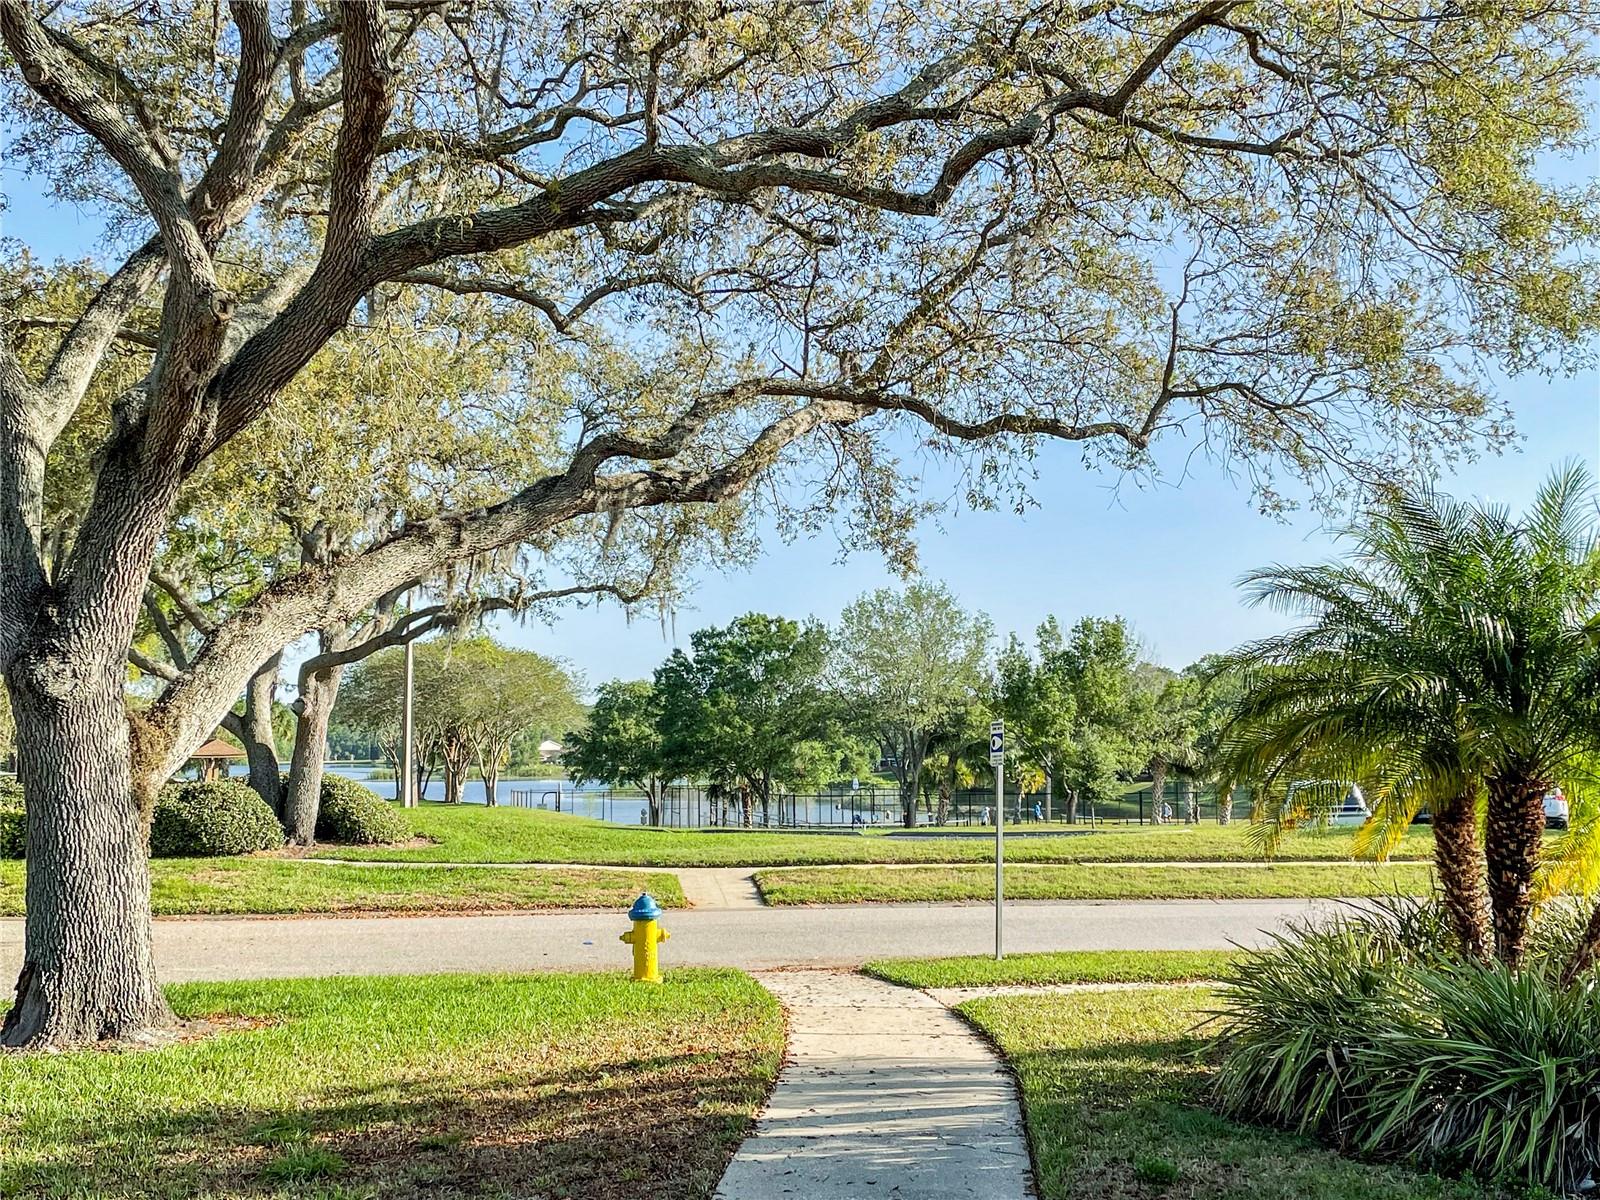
{"type": "Point", "coordinates": [997, 743]}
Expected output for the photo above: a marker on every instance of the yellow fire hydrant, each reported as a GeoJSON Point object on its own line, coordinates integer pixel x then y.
{"type": "Point", "coordinates": [645, 935]}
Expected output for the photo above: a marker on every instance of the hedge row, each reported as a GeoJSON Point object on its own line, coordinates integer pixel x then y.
{"type": "Point", "coordinates": [356, 815]}
{"type": "Point", "coordinates": [215, 818]}
{"type": "Point", "coordinates": [13, 824]}
{"type": "Point", "coordinates": [210, 819]}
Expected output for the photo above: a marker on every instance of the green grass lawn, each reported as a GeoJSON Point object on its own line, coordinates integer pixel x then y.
{"type": "Point", "coordinates": [1062, 966]}
{"type": "Point", "coordinates": [437, 1086]}
{"type": "Point", "coordinates": [270, 886]}
{"type": "Point", "coordinates": [473, 833]}
{"type": "Point", "coordinates": [934, 884]}
{"type": "Point", "coordinates": [1114, 1097]}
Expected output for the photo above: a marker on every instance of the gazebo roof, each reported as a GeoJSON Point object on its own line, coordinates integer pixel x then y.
{"type": "Point", "coordinates": [217, 748]}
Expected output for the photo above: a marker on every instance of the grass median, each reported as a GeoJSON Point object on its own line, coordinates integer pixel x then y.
{"type": "Point", "coordinates": [473, 833]}
{"type": "Point", "coordinates": [437, 1086]}
{"type": "Point", "coordinates": [276, 887]}
{"type": "Point", "coordinates": [1064, 966]}
{"type": "Point", "coordinates": [946, 884]}
{"type": "Point", "coordinates": [1114, 1090]}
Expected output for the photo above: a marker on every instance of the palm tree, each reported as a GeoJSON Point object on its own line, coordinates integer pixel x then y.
{"type": "Point", "coordinates": [1449, 663]}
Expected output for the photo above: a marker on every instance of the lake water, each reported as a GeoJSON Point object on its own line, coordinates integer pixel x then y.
{"type": "Point", "coordinates": [685, 807]}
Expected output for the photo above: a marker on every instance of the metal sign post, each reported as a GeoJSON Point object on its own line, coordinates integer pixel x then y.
{"type": "Point", "coordinates": [997, 759]}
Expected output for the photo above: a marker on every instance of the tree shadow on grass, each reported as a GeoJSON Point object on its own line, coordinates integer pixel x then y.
{"type": "Point", "coordinates": [655, 1129]}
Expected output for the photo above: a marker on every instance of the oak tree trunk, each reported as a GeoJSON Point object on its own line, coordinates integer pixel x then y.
{"type": "Point", "coordinates": [1513, 831]}
{"type": "Point", "coordinates": [1459, 861]}
{"type": "Point", "coordinates": [87, 970]}
{"type": "Point", "coordinates": [303, 796]}
{"type": "Point", "coordinates": [257, 736]}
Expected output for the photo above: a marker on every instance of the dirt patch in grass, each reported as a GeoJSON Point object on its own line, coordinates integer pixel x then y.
{"type": "Point", "coordinates": [346, 849]}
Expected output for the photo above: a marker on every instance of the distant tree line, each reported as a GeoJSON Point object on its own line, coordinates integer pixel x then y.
{"type": "Point", "coordinates": [910, 680]}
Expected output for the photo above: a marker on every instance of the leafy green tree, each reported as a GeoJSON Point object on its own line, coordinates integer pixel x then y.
{"type": "Point", "coordinates": [621, 743]}
{"type": "Point", "coordinates": [1451, 660]}
{"type": "Point", "coordinates": [510, 692]}
{"type": "Point", "coordinates": [819, 232]}
{"type": "Point", "coordinates": [909, 666]}
{"type": "Point", "coordinates": [472, 697]}
{"type": "Point", "coordinates": [746, 707]}
{"type": "Point", "coordinates": [1218, 690]}
{"type": "Point", "coordinates": [1035, 698]}
{"type": "Point", "coordinates": [1095, 663]}
{"type": "Point", "coordinates": [958, 755]}
{"type": "Point", "coordinates": [1164, 728]}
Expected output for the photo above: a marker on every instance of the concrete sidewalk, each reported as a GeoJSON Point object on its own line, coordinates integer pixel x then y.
{"type": "Point", "coordinates": [885, 1094]}
{"type": "Point", "coordinates": [756, 939]}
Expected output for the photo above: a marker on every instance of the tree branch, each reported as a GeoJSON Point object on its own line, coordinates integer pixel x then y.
{"type": "Point", "coordinates": [366, 90]}
{"type": "Point", "coordinates": [153, 667]}
{"type": "Point", "coordinates": [192, 612]}
{"type": "Point", "coordinates": [245, 132]}
{"type": "Point", "coordinates": [169, 635]}
{"type": "Point", "coordinates": [561, 321]}
{"type": "Point", "coordinates": [57, 75]}
{"type": "Point", "coordinates": [67, 378]}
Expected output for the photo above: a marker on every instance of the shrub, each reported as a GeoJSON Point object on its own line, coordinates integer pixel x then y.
{"type": "Point", "coordinates": [210, 819]}
{"type": "Point", "coordinates": [348, 812]}
{"type": "Point", "coordinates": [1394, 1046]}
{"type": "Point", "coordinates": [13, 821]}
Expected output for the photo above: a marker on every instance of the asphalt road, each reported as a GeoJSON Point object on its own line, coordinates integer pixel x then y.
{"type": "Point", "coordinates": [256, 948]}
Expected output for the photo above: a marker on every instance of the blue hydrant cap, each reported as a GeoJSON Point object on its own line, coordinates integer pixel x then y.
{"type": "Point", "coordinates": [645, 908]}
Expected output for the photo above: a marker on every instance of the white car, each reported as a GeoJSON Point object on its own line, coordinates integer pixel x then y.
{"type": "Point", "coordinates": [1556, 810]}
{"type": "Point", "coordinates": [1352, 810]}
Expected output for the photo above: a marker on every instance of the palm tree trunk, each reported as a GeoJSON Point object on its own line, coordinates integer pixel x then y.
{"type": "Point", "coordinates": [1513, 832]}
{"type": "Point", "coordinates": [1459, 861]}
{"type": "Point", "coordinates": [1587, 952]}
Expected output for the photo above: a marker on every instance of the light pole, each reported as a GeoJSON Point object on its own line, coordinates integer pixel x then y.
{"type": "Point", "coordinates": [997, 759]}
{"type": "Point", "coordinates": [407, 793]}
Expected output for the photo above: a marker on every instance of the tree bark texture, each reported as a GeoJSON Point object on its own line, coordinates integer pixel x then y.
{"type": "Point", "coordinates": [1513, 831]}
{"type": "Point", "coordinates": [260, 742]}
{"type": "Point", "coordinates": [87, 971]}
{"type": "Point", "coordinates": [303, 796]}
{"type": "Point", "coordinates": [1458, 857]}
{"type": "Point", "coordinates": [1225, 807]}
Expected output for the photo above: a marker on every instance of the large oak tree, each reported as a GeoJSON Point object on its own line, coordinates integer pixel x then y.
{"type": "Point", "coordinates": [812, 236]}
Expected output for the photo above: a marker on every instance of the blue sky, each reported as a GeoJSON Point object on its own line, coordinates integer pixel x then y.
{"type": "Point", "coordinates": [1165, 556]}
